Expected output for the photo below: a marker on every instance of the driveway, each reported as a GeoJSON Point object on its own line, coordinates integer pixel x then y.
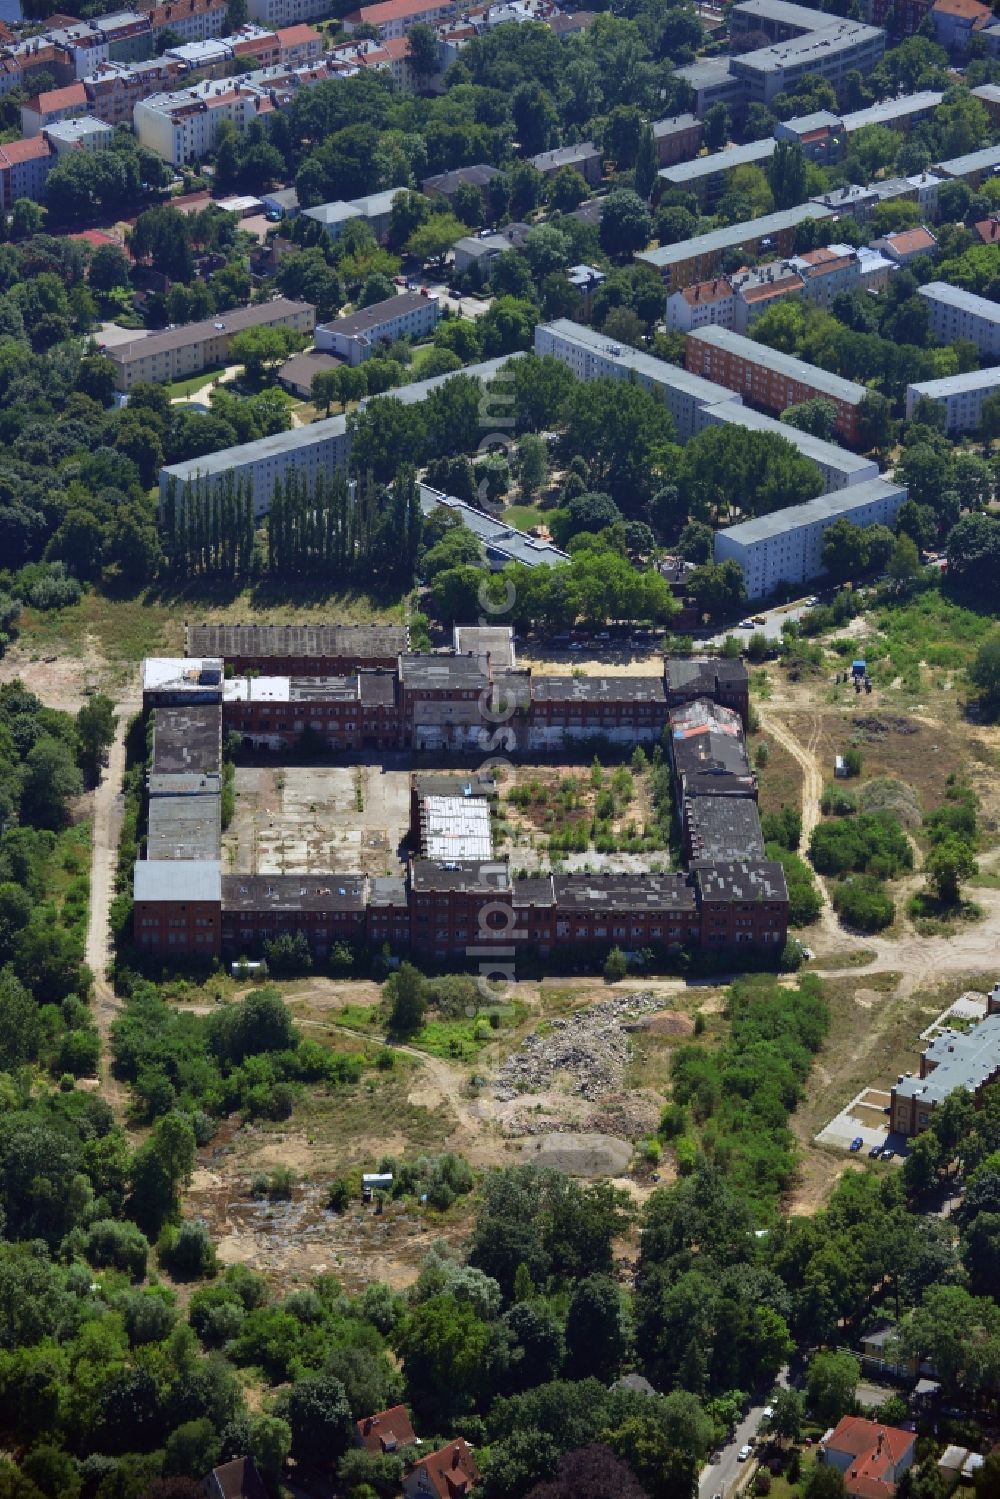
{"type": "Point", "coordinates": [771, 628]}
{"type": "Point", "coordinates": [719, 1478]}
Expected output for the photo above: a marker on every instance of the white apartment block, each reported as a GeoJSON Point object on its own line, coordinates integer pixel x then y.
{"type": "Point", "coordinates": [703, 305]}
{"type": "Point", "coordinates": [178, 352]}
{"type": "Point", "coordinates": [311, 453]}
{"type": "Point", "coordinates": [961, 396]}
{"type": "Point", "coordinates": [24, 166]}
{"type": "Point", "coordinates": [594, 356]}
{"type": "Point", "coordinates": [184, 127]}
{"type": "Point", "coordinates": [832, 51]}
{"type": "Point", "coordinates": [961, 314]}
{"type": "Point", "coordinates": [735, 301]}
{"type": "Point", "coordinates": [83, 134]}
{"type": "Point", "coordinates": [358, 335]}
{"type": "Point", "coordinates": [278, 13]}
{"type": "Point", "coordinates": [787, 546]}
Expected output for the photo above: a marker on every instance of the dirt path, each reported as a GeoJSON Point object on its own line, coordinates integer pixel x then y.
{"type": "Point", "coordinates": [107, 815]}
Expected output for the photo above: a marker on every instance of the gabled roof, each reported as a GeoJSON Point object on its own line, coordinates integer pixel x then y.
{"type": "Point", "coordinates": [874, 1450]}
{"type": "Point", "coordinates": [387, 1430]}
{"type": "Point", "coordinates": [448, 1474]}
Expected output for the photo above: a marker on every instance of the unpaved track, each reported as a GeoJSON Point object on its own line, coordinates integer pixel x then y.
{"type": "Point", "coordinates": [107, 820]}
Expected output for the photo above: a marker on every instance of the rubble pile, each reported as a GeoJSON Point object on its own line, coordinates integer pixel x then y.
{"type": "Point", "coordinates": [589, 1050]}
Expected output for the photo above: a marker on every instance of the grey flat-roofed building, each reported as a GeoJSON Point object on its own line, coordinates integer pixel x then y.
{"type": "Point", "coordinates": [242, 644]}
{"type": "Point", "coordinates": [495, 641]}
{"type": "Point", "coordinates": [584, 158]}
{"type": "Point", "coordinates": [974, 165]}
{"type": "Point", "coordinates": [469, 875]}
{"type": "Point", "coordinates": [961, 396]}
{"type": "Point", "coordinates": [592, 356]}
{"type": "Point", "coordinates": [787, 545]}
{"type": "Point", "coordinates": [723, 827]}
{"type": "Point", "coordinates": [358, 334]}
{"type": "Point", "coordinates": [706, 175]}
{"type": "Point", "coordinates": [193, 880]}
{"type": "Point", "coordinates": [839, 468]}
{"type": "Point", "coordinates": [712, 82]}
{"type": "Point", "coordinates": [185, 350]}
{"type": "Point", "coordinates": [775, 18]}
{"type": "Point", "coordinates": [187, 739]}
{"type": "Point", "coordinates": [742, 881]}
{"type": "Point", "coordinates": [831, 52]}
{"type": "Point", "coordinates": [609, 892]}
{"type": "Point", "coordinates": [318, 450]}
{"type": "Point", "coordinates": [732, 236]}
{"type": "Point", "coordinates": [955, 313]}
{"type": "Point", "coordinates": [502, 542]}
{"type": "Point", "coordinates": [954, 1061]}
{"type": "Point", "coordinates": [294, 892]}
{"type": "Point", "coordinates": [899, 113]}
{"type": "Point", "coordinates": [550, 689]}
{"type": "Point", "coordinates": [185, 826]}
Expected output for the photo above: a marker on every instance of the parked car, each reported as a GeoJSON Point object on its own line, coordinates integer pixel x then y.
{"type": "Point", "coordinates": [875, 1152]}
{"type": "Point", "coordinates": [856, 1144]}
{"type": "Point", "coordinates": [746, 624]}
{"type": "Point", "coordinates": [760, 619]}
{"type": "Point", "coordinates": [888, 1154]}
{"type": "Point", "coordinates": [811, 601]}
{"type": "Point", "coordinates": [744, 1452]}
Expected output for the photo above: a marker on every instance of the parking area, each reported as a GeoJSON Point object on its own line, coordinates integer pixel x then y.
{"type": "Point", "coordinates": [313, 819]}
{"type": "Point", "coordinates": [863, 1118]}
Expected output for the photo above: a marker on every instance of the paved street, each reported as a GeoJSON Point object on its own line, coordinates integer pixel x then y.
{"type": "Point", "coordinates": [719, 1478]}
{"type": "Point", "coordinates": [773, 621]}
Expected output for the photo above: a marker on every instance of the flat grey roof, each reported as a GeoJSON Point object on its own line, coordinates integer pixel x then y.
{"type": "Point", "coordinates": [188, 738]}
{"type": "Point", "coordinates": [178, 880]}
{"type": "Point", "coordinates": [742, 881]}
{"type": "Point", "coordinates": [673, 125]}
{"type": "Point", "coordinates": [559, 689]}
{"type": "Point", "coordinates": [782, 11]}
{"type": "Point", "coordinates": [724, 827]}
{"type": "Point", "coordinates": [957, 385]}
{"type": "Point", "coordinates": [496, 535]}
{"type": "Point", "coordinates": [706, 673]}
{"type": "Point", "coordinates": [185, 827]}
{"type": "Point", "coordinates": [418, 390]}
{"type": "Point", "coordinates": [365, 642]}
{"type": "Point", "coordinates": [657, 371]}
{"type": "Point", "coordinates": [820, 43]}
{"type": "Point", "coordinates": [706, 72]}
{"type": "Point", "coordinates": [963, 1060]}
{"type": "Point", "coordinates": [293, 892]}
{"type": "Point", "coordinates": [439, 673]}
{"type": "Point", "coordinates": [732, 235]}
{"type": "Point", "coordinates": [784, 364]}
{"type": "Point", "coordinates": [965, 301]}
{"type": "Point", "coordinates": [726, 160]}
{"type": "Point", "coordinates": [826, 454]}
{"type": "Point", "coordinates": [376, 314]}
{"type": "Point", "coordinates": [330, 429]}
{"type": "Point", "coordinates": [892, 109]}
{"type": "Point", "coordinates": [459, 874]}
{"type": "Point", "coordinates": [606, 891]}
{"type": "Point", "coordinates": [819, 119]}
{"type": "Point", "coordinates": [236, 320]}
{"type": "Point", "coordinates": [823, 507]}
{"type": "Point", "coordinates": [972, 161]}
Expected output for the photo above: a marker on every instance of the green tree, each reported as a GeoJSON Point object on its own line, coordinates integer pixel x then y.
{"type": "Point", "coordinates": [261, 350]}
{"type": "Point", "coordinates": [984, 673]}
{"type": "Point", "coordinates": [319, 1418]}
{"type": "Point", "coordinates": [786, 175]}
{"type": "Point", "coordinates": [716, 126]}
{"type": "Point", "coordinates": [904, 564]}
{"type": "Point", "coordinates": [831, 1382]}
{"type": "Point", "coordinates": [192, 1450]}
{"type": "Point", "coordinates": [95, 727]}
{"type": "Point", "coordinates": [435, 236]}
{"type": "Point", "coordinates": [596, 1330]}
{"type": "Point", "coordinates": [406, 991]}
{"type": "Point", "coordinates": [532, 464]}
{"type": "Point", "coordinates": [845, 551]}
{"type": "Point", "coordinates": [948, 864]}
{"type": "Point", "coordinates": [442, 1346]}
{"type": "Point", "coordinates": [51, 779]}
{"type": "Point", "coordinates": [626, 226]}
{"type": "Point", "coordinates": [817, 416]}
{"type": "Point", "coordinates": [789, 1410]}
{"type": "Point", "coordinates": [646, 164]}
{"type": "Point", "coordinates": [424, 51]}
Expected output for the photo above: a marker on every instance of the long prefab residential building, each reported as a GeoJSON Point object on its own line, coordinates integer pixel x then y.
{"type": "Point", "coordinates": [193, 347]}
{"type": "Point", "coordinates": [787, 545]}
{"type": "Point", "coordinates": [955, 313]}
{"type": "Point", "coordinates": [700, 257]}
{"type": "Point", "coordinates": [312, 452]}
{"type": "Point", "coordinates": [769, 378]}
{"type": "Point", "coordinates": [595, 356]}
{"type": "Point", "coordinates": [960, 396]}
{"type": "Point", "coordinates": [839, 467]}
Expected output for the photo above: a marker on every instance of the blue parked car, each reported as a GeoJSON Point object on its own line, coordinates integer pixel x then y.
{"type": "Point", "coordinates": [856, 1144]}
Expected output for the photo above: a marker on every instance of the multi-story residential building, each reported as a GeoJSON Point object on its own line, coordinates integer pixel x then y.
{"type": "Point", "coordinates": [584, 157]}
{"type": "Point", "coordinates": [51, 107]}
{"type": "Point", "coordinates": [954, 313]}
{"type": "Point", "coordinates": [830, 52]}
{"type": "Point", "coordinates": [906, 245]}
{"type": "Point", "coordinates": [787, 545]}
{"type": "Point", "coordinates": [827, 272]}
{"type": "Point", "coordinates": [708, 176]}
{"type": "Point", "coordinates": [957, 22]}
{"type": "Point", "coordinates": [871, 1455]}
{"type": "Point", "coordinates": [700, 257]}
{"type": "Point", "coordinates": [702, 305]}
{"type": "Point", "coordinates": [770, 379]}
{"type": "Point", "coordinates": [760, 287]}
{"type": "Point", "coordinates": [184, 127]}
{"type": "Point", "coordinates": [960, 396]}
{"type": "Point", "coordinates": [446, 184]}
{"type": "Point", "coordinates": [177, 352]}
{"type": "Point", "coordinates": [82, 134]}
{"type": "Point", "coordinates": [374, 208]}
{"type": "Point", "coordinates": [393, 18]}
{"type": "Point", "coordinates": [821, 135]}
{"type": "Point", "coordinates": [115, 89]}
{"type": "Point", "coordinates": [711, 82]}
{"type": "Point", "coordinates": [677, 138]}
{"type": "Point", "coordinates": [193, 20]}
{"type": "Point", "coordinates": [298, 45]}
{"type": "Point", "coordinates": [954, 1061]}
{"type": "Point", "coordinates": [974, 167]}
{"type": "Point", "coordinates": [280, 13]}
{"type": "Point", "coordinates": [211, 58]}
{"type": "Point", "coordinates": [359, 334]}
{"type": "Point", "coordinates": [860, 202]}
{"type": "Point", "coordinates": [477, 252]}
{"type": "Point", "coordinates": [838, 466]}
{"type": "Point", "coordinates": [83, 43]}
{"type": "Point", "coordinates": [593, 356]}
{"type": "Point", "coordinates": [989, 96]}
{"type": "Point", "coordinates": [776, 20]}
{"type": "Point", "coordinates": [896, 114]}
{"type": "Point", "coordinates": [24, 166]}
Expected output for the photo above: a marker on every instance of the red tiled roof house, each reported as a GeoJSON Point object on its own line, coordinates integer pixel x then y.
{"type": "Point", "coordinates": [872, 1457]}
{"type": "Point", "coordinates": [387, 1431]}
{"type": "Point", "coordinates": [451, 1473]}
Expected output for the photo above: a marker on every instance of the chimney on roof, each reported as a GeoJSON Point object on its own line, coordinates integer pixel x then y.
{"type": "Point", "coordinates": [456, 1457]}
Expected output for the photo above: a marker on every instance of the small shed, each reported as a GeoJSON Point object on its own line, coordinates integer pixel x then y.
{"type": "Point", "coordinates": [840, 767]}
{"type": "Point", "coordinates": [375, 1181]}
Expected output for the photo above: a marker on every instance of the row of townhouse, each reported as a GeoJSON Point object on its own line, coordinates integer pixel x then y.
{"type": "Point", "coordinates": [454, 899]}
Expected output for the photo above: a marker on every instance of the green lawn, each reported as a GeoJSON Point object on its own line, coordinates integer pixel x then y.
{"type": "Point", "coordinates": [177, 389]}
{"type": "Point", "coordinates": [524, 516]}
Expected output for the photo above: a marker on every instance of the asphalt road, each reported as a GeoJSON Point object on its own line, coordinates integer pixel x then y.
{"type": "Point", "coordinates": [773, 621]}
{"type": "Point", "coordinates": [719, 1478]}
